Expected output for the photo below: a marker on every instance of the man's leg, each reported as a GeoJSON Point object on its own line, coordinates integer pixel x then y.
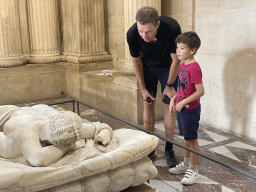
{"type": "Point", "coordinates": [149, 116]}
{"type": "Point", "coordinates": [149, 120]}
{"type": "Point", "coordinates": [169, 123]}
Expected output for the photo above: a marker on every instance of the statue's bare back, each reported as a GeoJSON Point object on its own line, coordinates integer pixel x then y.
{"type": "Point", "coordinates": [19, 122]}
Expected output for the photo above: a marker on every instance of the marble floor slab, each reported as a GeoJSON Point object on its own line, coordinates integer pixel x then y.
{"type": "Point", "coordinates": [231, 149]}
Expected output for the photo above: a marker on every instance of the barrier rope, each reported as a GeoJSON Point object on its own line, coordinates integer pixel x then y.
{"type": "Point", "coordinates": [169, 140]}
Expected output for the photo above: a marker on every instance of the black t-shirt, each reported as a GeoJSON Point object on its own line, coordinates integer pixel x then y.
{"type": "Point", "coordinates": [155, 54]}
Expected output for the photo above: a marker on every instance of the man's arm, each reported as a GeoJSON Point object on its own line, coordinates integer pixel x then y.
{"type": "Point", "coordinates": [170, 91]}
{"type": "Point", "coordinates": [138, 70]}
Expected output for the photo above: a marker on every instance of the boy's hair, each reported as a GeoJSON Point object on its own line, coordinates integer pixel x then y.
{"type": "Point", "coordinates": [189, 38]}
{"type": "Point", "coordinates": [146, 15]}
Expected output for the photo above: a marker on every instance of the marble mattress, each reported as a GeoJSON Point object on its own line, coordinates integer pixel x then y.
{"type": "Point", "coordinates": [86, 169]}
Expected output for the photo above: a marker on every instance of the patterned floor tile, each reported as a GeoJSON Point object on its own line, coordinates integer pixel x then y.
{"type": "Point", "coordinates": [225, 152]}
{"type": "Point", "coordinates": [216, 137]}
{"type": "Point", "coordinates": [166, 186]}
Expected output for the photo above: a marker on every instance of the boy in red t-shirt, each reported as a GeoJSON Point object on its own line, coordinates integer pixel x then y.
{"type": "Point", "coordinates": [187, 103]}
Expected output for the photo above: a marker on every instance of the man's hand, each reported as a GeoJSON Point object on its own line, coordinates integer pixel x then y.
{"type": "Point", "coordinates": [146, 94]}
{"type": "Point", "coordinates": [169, 91]}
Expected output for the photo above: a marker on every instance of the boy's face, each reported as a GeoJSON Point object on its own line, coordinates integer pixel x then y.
{"type": "Point", "coordinates": [184, 52]}
{"type": "Point", "coordinates": [148, 31]}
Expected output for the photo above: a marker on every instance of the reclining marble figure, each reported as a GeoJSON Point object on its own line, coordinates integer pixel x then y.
{"type": "Point", "coordinates": [42, 148]}
{"type": "Point", "coordinates": [25, 134]}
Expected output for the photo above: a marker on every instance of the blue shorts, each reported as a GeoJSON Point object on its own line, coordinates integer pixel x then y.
{"type": "Point", "coordinates": [151, 77]}
{"type": "Point", "coordinates": [188, 122]}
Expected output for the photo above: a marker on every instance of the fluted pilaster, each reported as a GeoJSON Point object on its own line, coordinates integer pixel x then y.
{"type": "Point", "coordinates": [44, 31]}
{"type": "Point", "coordinates": [83, 31]}
{"type": "Point", "coordinates": [10, 35]}
{"type": "Point", "coordinates": [130, 9]}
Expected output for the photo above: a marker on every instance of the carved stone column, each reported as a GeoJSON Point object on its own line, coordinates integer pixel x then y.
{"type": "Point", "coordinates": [130, 9]}
{"type": "Point", "coordinates": [44, 31]}
{"type": "Point", "coordinates": [83, 31]}
{"type": "Point", "coordinates": [10, 35]}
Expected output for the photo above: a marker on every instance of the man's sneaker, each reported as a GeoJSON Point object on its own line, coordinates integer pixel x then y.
{"type": "Point", "coordinates": [190, 177]}
{"type": "Point", "coordinates": [172, 161]}
{"type": "Point", "coordinates": [179, 169]}
{"type": "Point", "coordinates": [152, 154]}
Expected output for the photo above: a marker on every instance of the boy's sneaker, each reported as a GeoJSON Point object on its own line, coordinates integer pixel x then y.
{"type": "Point", "coordinates": [171, 159]}
{"type": "Point", "coordinates": [179, 169]}
{"type": "Point", "coordinates": [190, 177]}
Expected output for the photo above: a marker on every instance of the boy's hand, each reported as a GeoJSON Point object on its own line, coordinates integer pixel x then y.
{"type": "Point", "coordinates": [172, 106]}
{"type": "Point", "coordinates": [179, 106]}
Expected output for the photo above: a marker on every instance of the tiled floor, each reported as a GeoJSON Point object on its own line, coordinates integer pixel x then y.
{"type": "Point", "coordinates": [225, 147]}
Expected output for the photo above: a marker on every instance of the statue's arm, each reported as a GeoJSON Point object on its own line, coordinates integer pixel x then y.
{"type": "Point", "coordinates": [37, 155]}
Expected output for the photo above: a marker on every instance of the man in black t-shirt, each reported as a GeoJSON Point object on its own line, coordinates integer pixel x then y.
{"type": "Point", "coordinates": [152, 46]}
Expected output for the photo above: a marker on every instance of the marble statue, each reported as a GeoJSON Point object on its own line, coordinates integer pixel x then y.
{"type": "Point", "coordinates": [44, 142]}
{"type": "Point", "coordinates": [50, 150]}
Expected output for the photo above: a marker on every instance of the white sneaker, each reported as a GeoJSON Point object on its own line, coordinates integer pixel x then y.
{"type": "Point", "coordinates": [190, 177]}
{"type": "Point", "coordinates": [180, 168]}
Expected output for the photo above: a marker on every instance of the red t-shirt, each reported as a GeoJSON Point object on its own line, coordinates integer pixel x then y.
{"type": "Point", "coordinates": [189, 75]}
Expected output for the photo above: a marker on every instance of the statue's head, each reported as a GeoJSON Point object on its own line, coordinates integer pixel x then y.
{"type": "Point", "coordinates": [63, 129]}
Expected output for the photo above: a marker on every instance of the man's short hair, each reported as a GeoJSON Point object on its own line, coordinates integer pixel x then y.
{"type": "Point", "coordinates": [146, 15]}
{"type": "Point", "coordinates": [189, 38]}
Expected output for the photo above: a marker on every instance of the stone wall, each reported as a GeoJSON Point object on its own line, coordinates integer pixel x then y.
{"type": "Point", "coordinates": [181, 10]}
{"type": "Point", "coordinates": [228, 60]}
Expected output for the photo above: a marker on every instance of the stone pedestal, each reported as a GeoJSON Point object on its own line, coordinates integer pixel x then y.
{"type": "Point", "coordinates": [130, 9]}
{"type": "Point", "coordinates": [10, 35]}
{"type": "Point", "coordinates": [119, 95]}
{"type": "Point", "coordinates": [32, 83]}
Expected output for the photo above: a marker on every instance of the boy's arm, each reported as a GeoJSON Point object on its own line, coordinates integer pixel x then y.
{"type": "Point", "coordinates": [199, 93]}
{"type": "Point", "coordinates": [172, 104]}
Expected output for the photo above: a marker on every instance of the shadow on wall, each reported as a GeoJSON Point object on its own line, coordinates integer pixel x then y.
{"type": "Point", "coordinates": [240, 89]}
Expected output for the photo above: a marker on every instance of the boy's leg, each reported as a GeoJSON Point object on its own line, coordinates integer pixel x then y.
{"type": "Point", "coordinates": [191, 174]}
{"type": "Point", "coordinates": [194, 157]}
{"type": "Point", "coordinates": [191, 124]}
{"type": "Point", "coordinates": [187, 158]}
